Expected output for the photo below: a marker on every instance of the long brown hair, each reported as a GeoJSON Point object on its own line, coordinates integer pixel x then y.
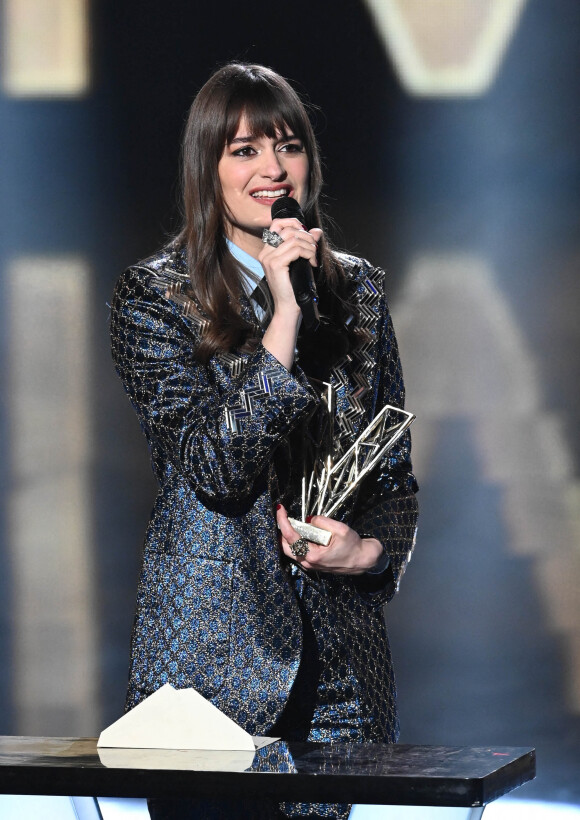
{"type": "Point", "coordinates": [270, 106]}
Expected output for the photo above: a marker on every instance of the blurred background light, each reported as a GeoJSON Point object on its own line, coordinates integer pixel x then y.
{"type": "Point", "coordinates": [49, 509]}
{"type": "Point", "coordinates": [500, 810]}
{"type": "Point", "coordinates": [492, 384]}
{"type": "Point", "coordinates": [446, 47]}
{"type": "Point", "coordinates": [45, 48]}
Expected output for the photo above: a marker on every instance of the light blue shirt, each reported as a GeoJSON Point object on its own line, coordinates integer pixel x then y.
{"type": "Point", "coordinates": [249, 262]}
{"type": "Point", "coordinates": [253, 265]}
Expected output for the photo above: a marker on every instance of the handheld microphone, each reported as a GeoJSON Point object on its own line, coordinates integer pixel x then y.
{"type": "Point", "coordinates": [301, 275]}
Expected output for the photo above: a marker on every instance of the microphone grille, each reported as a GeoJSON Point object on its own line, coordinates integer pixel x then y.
{"type": "Point", "coordinates": [285, 208]}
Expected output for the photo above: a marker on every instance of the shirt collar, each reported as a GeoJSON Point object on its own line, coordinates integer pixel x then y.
{"type": "Point", "coordinates": [248, 262]}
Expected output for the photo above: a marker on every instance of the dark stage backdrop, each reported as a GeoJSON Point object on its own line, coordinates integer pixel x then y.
{"type": "Point", "coordinates": [471, 202]}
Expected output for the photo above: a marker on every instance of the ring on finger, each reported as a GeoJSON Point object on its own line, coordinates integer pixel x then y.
{"type": "Point", "coordinates": [271, 238]}
{"type": "Point", "coordinates": [300, 548]}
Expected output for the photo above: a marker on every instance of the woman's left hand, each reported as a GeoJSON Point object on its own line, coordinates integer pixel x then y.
{"type": "Point", "coordinates": [346, 554]}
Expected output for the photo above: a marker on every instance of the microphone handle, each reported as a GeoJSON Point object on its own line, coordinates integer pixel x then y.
{"type": "Point", "coordinates": [310, 315]}
{"type": "Point", "coordinates": [301, 274]}
{"type": "Point", "coordinates": [302, 281]}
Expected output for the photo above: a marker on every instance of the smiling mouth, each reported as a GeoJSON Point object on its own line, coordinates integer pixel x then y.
{"type": "Point", "coordinates": [269, 194]}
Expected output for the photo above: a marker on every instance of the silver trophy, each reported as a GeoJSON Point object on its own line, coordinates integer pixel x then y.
{"type": "Point", "coordinates": [334, 477]}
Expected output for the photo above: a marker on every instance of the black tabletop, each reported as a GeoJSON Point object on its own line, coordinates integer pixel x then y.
{"type": "Point", "coordinates": [356, 773]}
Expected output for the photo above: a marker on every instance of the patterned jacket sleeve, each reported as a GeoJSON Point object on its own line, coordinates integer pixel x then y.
{"type": "Point", "coordinates": [184, 409]}
{"type": "Point", "coordinates": [387, 507]}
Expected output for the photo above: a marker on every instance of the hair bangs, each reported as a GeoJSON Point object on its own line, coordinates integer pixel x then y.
{"type": "Point", "coordinates": [268, 112]}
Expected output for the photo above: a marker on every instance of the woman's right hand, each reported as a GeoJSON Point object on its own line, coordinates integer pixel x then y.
{"type": "Point", "coordinates": [280, 337]}
{"type": "Point", "coordinates": [297, 242]}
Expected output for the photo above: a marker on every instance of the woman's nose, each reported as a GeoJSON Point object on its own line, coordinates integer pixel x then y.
{"type": "Point", "coordinates": [272, 166]}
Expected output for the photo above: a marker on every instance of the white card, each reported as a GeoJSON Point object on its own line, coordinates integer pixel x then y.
{"type": "Point", "coordinates": [178, 719]}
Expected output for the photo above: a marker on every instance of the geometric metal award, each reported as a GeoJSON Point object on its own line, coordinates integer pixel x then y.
{"type": "Point", "coordinates": [335, 477]}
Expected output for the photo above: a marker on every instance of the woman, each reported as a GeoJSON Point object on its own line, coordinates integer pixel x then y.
{"type": "Point", "coordinates": [285, 636]}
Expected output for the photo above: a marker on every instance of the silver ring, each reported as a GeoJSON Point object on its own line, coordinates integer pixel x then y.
{"type": "Point", "coordinates": [271, 238]}
{"type": "Point", "coordinates": [300, 548]}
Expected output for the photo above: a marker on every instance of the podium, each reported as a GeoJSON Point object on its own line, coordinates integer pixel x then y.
{"type": "Point", "coordinates": [397, 774]}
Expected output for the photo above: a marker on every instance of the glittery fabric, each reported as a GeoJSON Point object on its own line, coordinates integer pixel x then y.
{"type": "Point", "coordinates": [218, 608]}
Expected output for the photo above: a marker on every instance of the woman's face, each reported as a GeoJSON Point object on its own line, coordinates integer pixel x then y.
{"type": "Point", "coordinates": [254, 172]}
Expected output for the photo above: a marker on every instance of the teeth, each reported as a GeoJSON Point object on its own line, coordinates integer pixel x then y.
{"type": "Point", "coordinates": [270, 194]}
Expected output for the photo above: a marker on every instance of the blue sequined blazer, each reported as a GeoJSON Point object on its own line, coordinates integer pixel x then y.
{"type": "Point", "coordinates": [217, 604]}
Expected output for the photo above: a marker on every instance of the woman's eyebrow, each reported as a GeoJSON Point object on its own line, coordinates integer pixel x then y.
{"type": "Point", "coordinates": [251, 137]}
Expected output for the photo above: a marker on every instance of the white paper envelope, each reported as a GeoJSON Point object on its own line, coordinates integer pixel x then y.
{"type": "Point", "coordinates": [178, 719]}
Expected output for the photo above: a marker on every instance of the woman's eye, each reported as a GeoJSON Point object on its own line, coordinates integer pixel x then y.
{"type": "Point", "coordinates": [292, 147]}
{"type": "Point", "coordinates": [245, 151]}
